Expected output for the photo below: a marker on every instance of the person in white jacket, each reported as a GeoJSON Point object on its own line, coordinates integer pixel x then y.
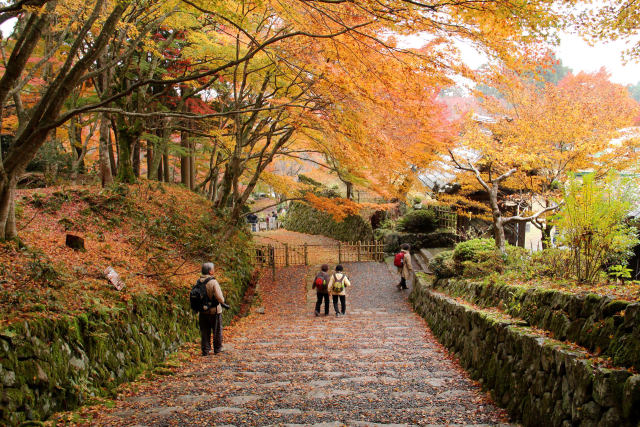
{"type": "Point", "coordinates": [338, 290]}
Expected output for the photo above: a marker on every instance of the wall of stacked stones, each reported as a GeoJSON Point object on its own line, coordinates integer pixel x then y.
{"type": "Point", "coordinates": [538, 379]}
{"type": "Point", "coordinates": [49, 365]}
{"type": "Point", "coordinates": [604, 325]}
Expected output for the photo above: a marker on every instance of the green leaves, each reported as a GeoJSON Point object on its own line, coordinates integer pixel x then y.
{"type": "Point", "coordinates": [592, 224]}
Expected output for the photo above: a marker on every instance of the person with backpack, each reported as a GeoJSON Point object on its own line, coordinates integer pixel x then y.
{"type": "Point", "coordinates": [320, 284]}
{"type": "Point", "coordinates": [402, 260]}
{"type": "Point", "coordinates": [206, 298]}
{"type": "Point", "coordinates": [337, 288]}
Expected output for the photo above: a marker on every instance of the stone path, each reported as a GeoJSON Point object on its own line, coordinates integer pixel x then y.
{"type": "Point", "coordinates": [378, 365]}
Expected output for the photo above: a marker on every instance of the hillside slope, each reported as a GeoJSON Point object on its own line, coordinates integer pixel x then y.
{"type": "Point", "coordinates": [154, 235]}
{"type": "Point", "coordinates": [67, 334]}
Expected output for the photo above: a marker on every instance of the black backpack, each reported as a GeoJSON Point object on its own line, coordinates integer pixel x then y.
{"type": "Point", "coordinates": [198, 297]}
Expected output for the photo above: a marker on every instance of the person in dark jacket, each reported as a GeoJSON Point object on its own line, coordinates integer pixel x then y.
{"type": "Point", "coordinates": [210, 319]}
{"type": "Point", "coordinates": [320, 284]}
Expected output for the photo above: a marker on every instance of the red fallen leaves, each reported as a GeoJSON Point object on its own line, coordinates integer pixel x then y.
{"type": "Point", "coordinates": [49, 279]}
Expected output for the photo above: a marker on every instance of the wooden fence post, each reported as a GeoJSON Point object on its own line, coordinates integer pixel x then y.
{"type": "Point", "coordinates": [286, 255]}
{"type": "Point", "coordinates": [339, 252]}
{"type": "Point", "coordinates": [359, 245]}
{"type": "Point", "coordinates": [306, 254]}
{"type": "Point", "coordinates": [272, 260]}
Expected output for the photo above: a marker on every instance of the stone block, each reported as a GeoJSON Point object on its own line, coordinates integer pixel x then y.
{"type": "Point", "coordinates": [608, 386]}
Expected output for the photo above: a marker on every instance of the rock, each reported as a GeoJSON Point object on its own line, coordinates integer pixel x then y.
{"type": "Point", "coordinates": [165, 410]}
{"type": "Point", "coordinates": [286, 411]}
{"type": "Point", "coordinates": [591, 411]}
{"type": "Point", "coordinates": [223, 409]}
{"type": "Point", "coordinates": [241, 400]}
{"type": "Point", "coordinates": [611, 418]}
{"type": "Point", "coordinates": [74, 242]}
{"type": "Point", "coordinates": [77, 364]}
{"type": "Point", "coordinates": [608, 386]}
{"type": "Point", "coordinates": [8, 378]}
{"type": "Point", "coordinates": [631, 397]}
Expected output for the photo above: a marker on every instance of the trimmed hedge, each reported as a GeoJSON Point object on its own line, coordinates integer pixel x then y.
{"type": "Point", "coordinates": [419, 221]}
{"type": "Point", "coordinates": [306, 219]}
{"type": "Point", "coordinates": [438, 239]}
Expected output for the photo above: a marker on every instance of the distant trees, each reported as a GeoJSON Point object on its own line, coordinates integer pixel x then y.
{"type": "Point", "coordinates": [539, 135]}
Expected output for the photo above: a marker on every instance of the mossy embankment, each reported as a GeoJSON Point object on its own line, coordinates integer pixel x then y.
{"type": "Point", "coordinates": [67, 334]}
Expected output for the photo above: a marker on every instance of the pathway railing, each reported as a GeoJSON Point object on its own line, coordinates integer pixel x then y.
{"type": "Point", "coordinates": [285, 255]}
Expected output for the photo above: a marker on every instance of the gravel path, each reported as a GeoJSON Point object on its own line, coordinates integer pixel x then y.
{"type": "Point", "coordinates": [378, 365]}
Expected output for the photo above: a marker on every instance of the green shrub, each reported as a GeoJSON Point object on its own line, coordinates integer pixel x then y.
{"type": "Point", "coordinates": [484, 262]}
{"type": "Point", "coordinates": [468, 251]}
{"type": "Point", "coordinates": [442, 265]}
{"type": "Point", "coordinates": [418, 221]}
{"type": "Point", "coordinates": [551, 262]}
{"type": "Point", "coordinates": [592, 224]}
{"type": "Point", "coordinates": [305, 219]}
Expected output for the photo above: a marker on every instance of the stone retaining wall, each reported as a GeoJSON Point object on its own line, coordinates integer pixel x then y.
{"type": "Point", "coordinates": [540, 381]}
{"type": "Point", "coordinates": [49, 365]}
{"type": "Point", "coordinates": [604, 325]}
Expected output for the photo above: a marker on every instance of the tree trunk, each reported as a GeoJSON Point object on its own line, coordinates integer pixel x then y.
{"type": "Point", "coordinates": [546, 236]}
{"type": "Point", "coordinates": [192, 164]}
{"type": "Point", "coordinates": [159, 173]}
{"type": "Point", "coordinates": [501, 241]}
{"type": "Point", "coordinates": [136, 157]}
{"type": "Point", "coordinates": [106, 174]}
{"type": "Point", "coordinates": [8, 229]}
{"type": "Point", "coordinates": [522, 233]}
{"type": "Point", "coordinates": [349, 190]}
{"type": "Point", "coordinates": [185, 161]}
{"type": "Point", "coordinates": [498, 223]}
{"type": "Point", "coordinates": [165, 164]}
{"type": "Point", "coordinates": [112, 154]}
{"type": "Point", "coordinates": [125, 144]}
{"type": "Point", "coordinates": [151, 175]}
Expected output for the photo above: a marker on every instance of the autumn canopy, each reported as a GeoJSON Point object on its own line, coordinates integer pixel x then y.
{"type": "Point", "coordinates": [218, 95]}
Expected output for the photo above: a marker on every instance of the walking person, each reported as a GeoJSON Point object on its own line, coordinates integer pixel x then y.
{"type": "Point", "coordinates": [210, 317]}
{"type": "Point", "coordinates": [320, 284]}
{"type": "Point", "coordinates": [337, 288]}
{"type": "Point", "coordinates": [402, 260]}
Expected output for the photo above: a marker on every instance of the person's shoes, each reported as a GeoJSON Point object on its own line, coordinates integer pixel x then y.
{"type": "Point", "coordinates": [218, 351]}
{"type": "Point", "coordinates": [337, 314]}
{"type": "Point", "coordinates": [404, 287]}
{"type": "Point", "coordinates": [399, 286]}
{"type": "Point", "coordinates": [205, 354]}
{"type": "Point", "coordinates": [317, 313]}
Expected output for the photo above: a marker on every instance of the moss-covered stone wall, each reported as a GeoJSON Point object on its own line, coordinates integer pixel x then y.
{"type": "Point", "coordinates": [48, 365]}
{"type": "Point", "coordinates": [540, 380]}
{"type": "Point", "coordinates": [605, 326]}
{"type": "Point", "coordinates": [305, 219]}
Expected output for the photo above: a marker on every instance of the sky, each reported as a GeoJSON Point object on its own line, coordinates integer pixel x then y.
{"type": "Point", "coordinates": [578, 55]}
{"type": "Point", "coordinates": [574, 52]}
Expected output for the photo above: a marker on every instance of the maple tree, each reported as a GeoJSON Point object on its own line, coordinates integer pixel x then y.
{"type": "Point", "coordinates": [538, 135]}
{"type": "Point", "coordinates": [56, 47]}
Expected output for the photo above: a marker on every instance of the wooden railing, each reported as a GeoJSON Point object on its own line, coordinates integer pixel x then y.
{"type": "Point", "coordinates": [285, 255]}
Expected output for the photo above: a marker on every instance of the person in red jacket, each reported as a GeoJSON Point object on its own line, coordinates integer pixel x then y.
{"type": "Point", "coordinates": [320, 284]}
